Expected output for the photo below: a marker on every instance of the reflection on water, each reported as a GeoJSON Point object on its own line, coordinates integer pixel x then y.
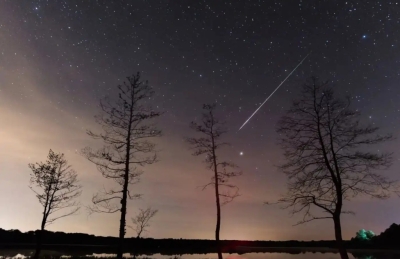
{"type": "Point", "coordinates": [49, 254]}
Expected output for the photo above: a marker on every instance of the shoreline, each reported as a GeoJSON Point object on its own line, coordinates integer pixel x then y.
{"type": "Point", "coordinates": [313, 249]}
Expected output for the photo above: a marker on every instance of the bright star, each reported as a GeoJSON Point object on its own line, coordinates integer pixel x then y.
{"type": "Point", "coordinates": [241, 153]}
{"type": "Point", "coordinates": [364, 36]}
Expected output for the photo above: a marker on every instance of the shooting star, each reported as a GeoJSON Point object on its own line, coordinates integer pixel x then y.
{"type": "Point", "coordinates": [274, 91]}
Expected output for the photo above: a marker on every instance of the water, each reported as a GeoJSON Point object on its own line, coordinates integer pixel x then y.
{"type": "Point", "coordinates": [23, 254]}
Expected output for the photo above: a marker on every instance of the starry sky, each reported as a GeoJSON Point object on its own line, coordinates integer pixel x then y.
{"type": "Point", "coordinates": [57, 58]}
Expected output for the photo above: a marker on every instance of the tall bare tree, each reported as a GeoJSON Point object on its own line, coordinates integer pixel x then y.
{"type": "Point", "coordinates": [142, 220]}
{"type": "Point", "coordinates": [208, 143]}
{"type": "Point", "coordinates": [56, 187]}
{"type": "Point", "coordinates": [127, 130]}
{"type": "Point", "coordinates": [328, 158]}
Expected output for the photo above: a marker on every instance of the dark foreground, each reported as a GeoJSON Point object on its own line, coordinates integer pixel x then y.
{"type": "Point", "coordinates": [93, 252]}
{"type": "Point", "coordinates": [12, 242]}
{"type": "Point", "coordinates": [182, 246]}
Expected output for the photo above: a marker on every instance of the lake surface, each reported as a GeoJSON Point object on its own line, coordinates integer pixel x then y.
{"type": "Point", "coordinates": [21, 254]}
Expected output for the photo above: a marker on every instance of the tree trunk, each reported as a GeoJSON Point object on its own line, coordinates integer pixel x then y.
{"type": "Point", "coordinates": [125, 188]}
{"type": "Point", "coordinates": [122, 221]}
{"type": "Point", "coordinates": [121, 230]}
{"type": "Point", "coordinates": [38, 244]}
{"type": "Point", "coordinates": [338, 237]}
{"type": "Point", "coordinates": [219, 253]}
{"type": "Point", "coordinates": [218, 226]}
{"type": "Point", "coordinates": [39, 240]}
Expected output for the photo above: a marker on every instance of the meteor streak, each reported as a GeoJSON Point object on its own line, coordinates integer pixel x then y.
{"type": "Point", "coordinates": [274, 91]}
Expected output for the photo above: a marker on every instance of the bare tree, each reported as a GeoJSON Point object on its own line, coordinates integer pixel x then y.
{"type": "Point", "coordinates": [127, 147]}
{"type": "Point", "coordinates": [208, 143]}
{"type": "Point", "coordinates": [328, 159]}
{"type": "Point", "coordinates": [56, 187]}
{"type": "Point", "coordinates": [142, 220]}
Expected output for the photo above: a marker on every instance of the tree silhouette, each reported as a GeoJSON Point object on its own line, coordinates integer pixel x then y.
{"type": "Point", "coordinates": [328, 159]}
{"type": "Point", "coordinates": [56, 187]}
{"type": "Point", "coordinates": [208, 143]}
{"type": "Point", "coordinates": [142, 219]}
{"type": "Point", "coordinates": [126, 133]}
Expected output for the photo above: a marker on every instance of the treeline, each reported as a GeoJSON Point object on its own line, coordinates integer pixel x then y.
{"type": "Point", "coordinates": [390, 238]}
{"type": "Point", "coordinates": [97, 244]}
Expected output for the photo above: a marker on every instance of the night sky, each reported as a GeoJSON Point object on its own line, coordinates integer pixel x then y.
{"type": "Point", "coordinates": [57, 58]}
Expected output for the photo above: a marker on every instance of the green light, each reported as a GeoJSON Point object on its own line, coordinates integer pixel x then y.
{"type": "Point", "coordinates": [365, 235]}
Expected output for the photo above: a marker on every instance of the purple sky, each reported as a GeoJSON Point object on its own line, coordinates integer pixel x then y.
{"type": "Point", "coordinates": [57, 59]}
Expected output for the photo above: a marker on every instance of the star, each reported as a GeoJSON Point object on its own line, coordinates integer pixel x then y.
{"type": "Point", "coordinates": [241, 153]}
